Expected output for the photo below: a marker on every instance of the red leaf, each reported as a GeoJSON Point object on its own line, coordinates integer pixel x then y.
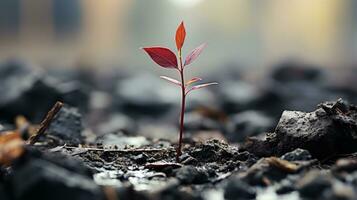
{"type": "Point", "coordinates": [194, 54]}
{"type": "Point", "coordinates": [196, 87]}
{"type": "Point", "coordinates": [162, 56]}
{"type": "Point", "coordinates": [171, 80]}
{"type": "Point", "coordinates": [180, 36]}
{"type": "Point", "coordinates": [193, 80]}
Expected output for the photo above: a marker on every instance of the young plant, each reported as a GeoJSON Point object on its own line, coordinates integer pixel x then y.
{"type": "Point", "coordinates": [167, 59]}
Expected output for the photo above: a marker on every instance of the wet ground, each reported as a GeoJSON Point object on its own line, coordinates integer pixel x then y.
{"type": "Point", "coordinates": [117, 141]}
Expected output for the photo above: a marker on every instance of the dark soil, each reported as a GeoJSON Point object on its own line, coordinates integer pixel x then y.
{"type": "Point", "coordinates": [321, 164]}
{"type": "Point", "coordinates": [98, 155]}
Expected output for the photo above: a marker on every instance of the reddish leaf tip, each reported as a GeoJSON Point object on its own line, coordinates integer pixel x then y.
{"type": "Point", "coordinates": [180, 35]}
{"type": "Point", "coordinates": [193, 80]}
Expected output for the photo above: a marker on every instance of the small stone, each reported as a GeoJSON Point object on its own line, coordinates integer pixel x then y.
{"type": "Point", "coordinates": [212, 150]}
{"type": "Point", "coordinates": [268, 170]}
{"type": "Point", "coordinates": [117, 123]}
{"type": "Point", "coordinates": [285, 186]}
{"type": "Point", "coordinates": [173, 190]}
{"type": "Point", "coordinates": [237, 189]}
{"type": "Point", "coordinates": [314, 183]}
{"type": "Point", "coordinates": [139, 98]}
{"type": "Point", "coordinates": [67, 125]}
{"type": "Point", "coordinates": [195, 121]}
{"type": "Point", "coordinates": [189, 161]}
{"type": "Point", "coordinates": [75, 94]}
{"type": "Point", "coordinates": [247, 124]}
{"type": "Point", "coordinates": [40, 179]}
{"type": "Point", "coordinates": [141, 158]}
{"type": "Point", "coordinates": [191, 175]}
{"type": "Point", "coordinates": [297, 155]}
{"type": "Point", "coordinates": [340, 191]}
{"type": "Point", "coordinates": [345, 165]}
{"type": "Point", "coordinates": [294, 71]}
{"type": "Point", "coordinates": [25, 90]}
{"type": "Point", "coordinates": [239, 95]}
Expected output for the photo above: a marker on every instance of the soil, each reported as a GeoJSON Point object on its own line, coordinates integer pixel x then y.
{"type": "Point", "coordinates": [210, 170]}
{"type": "Point", "coordinates": [308, 155]}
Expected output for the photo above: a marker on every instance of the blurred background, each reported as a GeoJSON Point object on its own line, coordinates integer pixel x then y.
{"type": "Point", "coordinates": [267, 56]}
{"type": "Point", "coordinates": [250, 33]}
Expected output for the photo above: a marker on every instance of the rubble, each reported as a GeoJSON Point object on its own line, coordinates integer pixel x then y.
{"type": "Point", "coordinates": [116, 149]}
{"type": "Point", "coordinates": [331, 126]}
{"type": "Point", "coordinates": [67, 125]}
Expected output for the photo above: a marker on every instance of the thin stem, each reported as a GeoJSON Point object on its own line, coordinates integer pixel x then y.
{"type": "Point", "coordinates": [182, 114]}
{"type": "Point", "coordinates": [46, 122]}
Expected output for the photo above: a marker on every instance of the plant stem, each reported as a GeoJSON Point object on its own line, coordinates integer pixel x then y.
{"type": "Point", "coordinates": [182, 114]}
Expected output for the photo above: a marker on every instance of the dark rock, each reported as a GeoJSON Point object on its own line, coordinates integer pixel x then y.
{"type": "Point", "coordinates": [314, 183]}
{"type": "Point", "coordinates": [127, 192]}
{"type": "Point", "coordinates": [237, 189]}
{"type": "Point", "coordinates": [67, 125]}
{"type": "Point", "coordinates": [340, 191]}
{"type": "Point", "coordinates": [74, 94]}
{"type": "Point", "coordinates": [345, 165]}
{"type": "Point", "coordinates": [268, 170]}
{"type": "Point", "coordinates": [332, 126]}
{"type": "Point", "coordinates": [191, 175]}
{"type": "Point", "coordinates": [69, 163]}
{"type": "Point", "coordinates": [146, 94]}
{"type": "Point", "coordinates": [212, 150]}
{"type": "Point", "coordinates": [40, 179]}
{"type": "Point", "coordinates": [25, 91]}
{"type": "Point", "coordinates": [294, 71]}
{"type": "Point", "coordinates": [173, 191]}
{"type": "Point", "coordinates": [238, 96]}
{"type": "Point", "coordinates": [194, 121]}
{"type": "Point", "coordinates": [118, 123]}
{"type": "Point", "coordinates": [186, 159]}
{"type": "Point", "coordinates": [285, 187]}
{"type": "Point", "coordinates": [248, 158]}
{"type": "Point", "coordinates": [297, 155]}
{"type": "Point", "coordinates": [247, 124]}
{"type": "Point", "coordinates": [141, 158]}
{"type": "Point", "coordinates": [353, 178]}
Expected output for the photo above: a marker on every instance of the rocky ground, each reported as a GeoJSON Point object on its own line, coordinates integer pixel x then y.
{"type": "Point", "coordinates": [117, 141]}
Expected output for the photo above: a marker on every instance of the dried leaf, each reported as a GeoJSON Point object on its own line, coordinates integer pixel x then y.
{"type": "Point", "coordinates": [196, 87]}
{"type": "Point", "coordinates": [11, 147]}
{"type": "Point", "coordinates": [162, 56]}
{"type": "Point", "coordinates": [180, 36]}
{"type": "Point", "coordinates": [194, 54]}
{"type": "Point", "coordinates": [282, 164]}
{"type": "Point", "coordinates": [171, 80]}
{"type": "Point", "coordinates": [193, 80]}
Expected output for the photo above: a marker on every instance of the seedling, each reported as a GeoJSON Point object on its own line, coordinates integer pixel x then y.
{"type": "Point", "coordinates": [164, 57]}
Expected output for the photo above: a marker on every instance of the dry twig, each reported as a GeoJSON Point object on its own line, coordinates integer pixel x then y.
{"type": "Point", "coordinates": [46, 122]}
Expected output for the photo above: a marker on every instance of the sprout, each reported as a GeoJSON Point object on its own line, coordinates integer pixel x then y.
{"type": "Point", "coordinates": [164, 57]}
